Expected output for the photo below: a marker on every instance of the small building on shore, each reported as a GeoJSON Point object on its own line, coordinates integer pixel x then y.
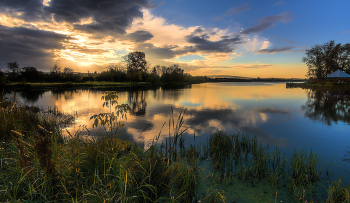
{"type": "Point", "coordinates": [338, 76]}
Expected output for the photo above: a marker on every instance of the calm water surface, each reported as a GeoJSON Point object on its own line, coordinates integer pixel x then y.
{"type": "Point", "coordinates": [287, 118]}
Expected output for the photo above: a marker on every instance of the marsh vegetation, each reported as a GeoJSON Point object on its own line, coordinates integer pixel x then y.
{"type": "Point", "coordinates": [39, 164]}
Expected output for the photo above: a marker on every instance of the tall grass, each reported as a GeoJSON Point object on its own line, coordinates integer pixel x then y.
{"type": "Point", "coordinates": [38, 165]}
{"type": "Point", "coordinates": [338, 193]}
{"type": "Point", "coordinates": [249, 160]}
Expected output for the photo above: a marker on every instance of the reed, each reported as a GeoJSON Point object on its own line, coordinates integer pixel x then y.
{"type": "Point", "coordinates": [176, 133]}
{"type": "Point", "coordinates": [220, 148]}
{"type": "Point", "coordinates": [16, 117]}
{"type": "Point", "coordinates": [214, 196]}
{"type": "Point", "coordinates": [183, 181]}
{"type": "Point", "coordinates": [338, 193]}
{"type": "Point", "coordinates": [305, 168]}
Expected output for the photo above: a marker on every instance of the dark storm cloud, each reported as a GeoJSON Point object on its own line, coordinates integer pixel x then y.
{"type": "Point", "coordinates": [269, 21]}
{"type": "Point", "coordinates": [31, 10]}
{"type": "Point", "coordinates": [108, 16]}
{"type": "Point", "coordinates": [140, 36]}
{"type": "Point", "coordinates": [28, 46]}
{"type": "Point", "coordinates": [39, 38]}
{"type": "Point", "coordinates": [274, 50]}
{"type": "Point", "coordinates": [198, 30]}
{"type": "Point", "coordinates": [165, 52]}
{"type": "Point", "coordinates": [201, 43]}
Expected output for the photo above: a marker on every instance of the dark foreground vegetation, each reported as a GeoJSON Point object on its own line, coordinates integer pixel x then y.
{"type": "Point", "coordinates": [39, 164]}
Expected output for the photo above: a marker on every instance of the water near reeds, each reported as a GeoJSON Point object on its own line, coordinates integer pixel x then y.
{"type": "Point", "coordinates": [291, 119]}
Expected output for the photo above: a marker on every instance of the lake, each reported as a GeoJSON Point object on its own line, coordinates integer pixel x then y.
{"type": "Point", "coordinates": [287, 118]}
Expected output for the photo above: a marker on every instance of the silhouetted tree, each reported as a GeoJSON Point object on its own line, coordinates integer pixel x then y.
{"type": "Point", "coordinates": [327, 58]}
{"type": "Point", "coordinates": [68, 71]}
{"type": "Point", "coordinates": [172, 73]}
{"type": "Point", "coordinates": [2, 78]}
{"type": "Point", "coordinates": [14, 68]}
{"type": "Point", "coordinates": [115, 72]}
{"type": "Point", "coordinates": [55, 73]}
{"type": "Point", "coordinates": [136, 65]}
{"type": "Point", "coordinates": [31, 74]}
{"type": "Point", "coordinates": [56, 69]}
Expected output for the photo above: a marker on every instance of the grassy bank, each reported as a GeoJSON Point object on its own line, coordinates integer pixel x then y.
{"type": "Point", "coordinates": [39, 165]}
{"type": "Point", "coordinates": [92, 84]}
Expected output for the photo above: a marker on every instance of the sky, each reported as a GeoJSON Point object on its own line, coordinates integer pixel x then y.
{"type": "Point", "coordinates": [204, 37]}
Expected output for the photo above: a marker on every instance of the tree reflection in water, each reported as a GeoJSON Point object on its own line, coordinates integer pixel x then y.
{"type": "Point", "coordinates": [137, 100]}
{"type": "Point", "coordinates": [327, 107]}
{"type": "Point", "coordinates": [30, 96]}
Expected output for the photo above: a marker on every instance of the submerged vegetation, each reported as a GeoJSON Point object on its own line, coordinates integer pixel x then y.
{"type": "Point", "coordinates": [39, 164]}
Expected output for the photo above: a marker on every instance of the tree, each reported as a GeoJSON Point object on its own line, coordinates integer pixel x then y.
{"type": "Point", "coordinates": [68, 71]}
{"type": "Point", "coordinates": [326, 58]}
{"type": "Point", "coordinates": [14, 68]}
{"type": "Point", "coordinates": [172, 73]}
{"type": "Point", "coordinates": [136, 65]}
{"type": "Point", "coordinates": [30, 74]}
{"type": "Point", "coordinates": [56, 69]}
{"type": "Point", "coordinates": [2, 78]}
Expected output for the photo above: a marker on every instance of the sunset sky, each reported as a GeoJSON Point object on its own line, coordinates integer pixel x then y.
{"type": "Point", "coordinates": [242, 38]}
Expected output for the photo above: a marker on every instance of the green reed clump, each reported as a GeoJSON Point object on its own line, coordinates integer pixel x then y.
{"type": "Point", "coordinates": [214, 196]}
{"type": "Point", "coordinates": [18, 118]}
{"type": "Point", "coordinates": [155, 168]}
{"type": "Point", "coordinates": [220, 149]}
{"type": "Point", "coordinates": [31, 172]}
{"type": "Point", "coordinates": [176, 133]}
{"type": "Point", "coordinates": [305, 168]}
{"type": "Point", "coordinates": [183, 180]}
{"type": "Point", "coordinates": [243, 145]}
{"type": "Point", "coordinates": [338, 193]}
{"type": "Point", "coordinates": [277, 170]}
{"type": "Point", "coordinates": [192, 153]}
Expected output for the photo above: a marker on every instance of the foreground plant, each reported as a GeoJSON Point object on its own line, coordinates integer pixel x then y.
{"type": "Point", "coordinates": [110, 119]}
{"type": "Point", "coordinates": [338, 193]}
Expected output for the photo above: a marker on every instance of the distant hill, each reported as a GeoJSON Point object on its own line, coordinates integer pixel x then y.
{"type": "Point", "coordinates": [228, 76]}
{"type": "Point", "coordinates": [238, 78]}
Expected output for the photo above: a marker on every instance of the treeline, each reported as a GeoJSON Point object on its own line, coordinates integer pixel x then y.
{"type": "Point", "coordinates": [323, 59]}
{"type": "Point", "coordinates": [136, 70]}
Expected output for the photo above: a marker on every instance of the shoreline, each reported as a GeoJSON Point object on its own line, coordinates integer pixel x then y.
{"type": "Point", "coordinates": [94, 85]}
{"type": "Point", "coordinates": [107, 84]}
{"type": "Point", "coordinates": [321, 86]}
